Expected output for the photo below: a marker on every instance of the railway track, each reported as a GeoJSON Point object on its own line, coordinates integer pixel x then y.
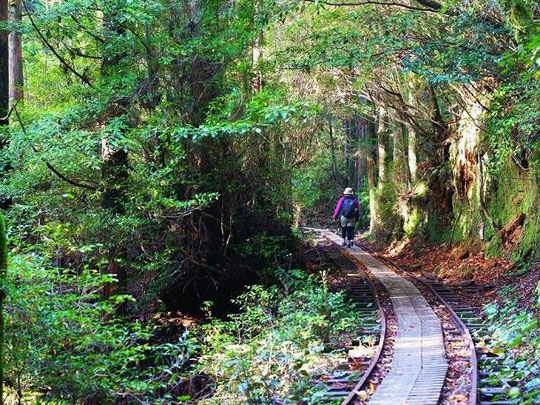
{"type": "Point", "coordinates": [465, 331]}
{"type": "Point", "coordinates": [461, 323]}
{"type": "Point", "coordinates": [488, 390]}
{"type": "Point", "coordinates": [485, 387]}
{"type": "Point", "coordinates": [347, 383]}
{"type": "Point", "coordinates": [418, 362]}
{"type": "Point", "coordinates": [461, 319]}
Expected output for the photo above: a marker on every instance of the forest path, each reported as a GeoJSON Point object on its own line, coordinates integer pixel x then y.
{"type": "Point", "coordinates": [419, 363]}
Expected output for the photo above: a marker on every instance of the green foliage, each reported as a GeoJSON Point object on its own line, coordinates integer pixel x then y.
{"type": "Point", "coordinates": [3, 247]}
{"type": "Point", "coordinates": [265, 246]}
{"type": "Point", "coordinates": [217, 168]}
{"type": "Point", "coordinates": [3, 292]}
{"type": "Point", "coordinates": [390, 224]}
{"type": "Point", "coordinates": [64, 337]}
{"type": "Point", "coordinates": [515, 338]}
{"type": "Point", "coordinates": [314, 189]}
{"type": "Point", "coordinates": [177, 100]}
{"type": "Point", "coordinates": [277, 343]}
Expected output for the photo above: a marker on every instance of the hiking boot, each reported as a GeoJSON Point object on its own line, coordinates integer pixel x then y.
{"type": "Point", "coordinates": [348, 243]}
{"type": "Point", "coordinates": [344, 243]}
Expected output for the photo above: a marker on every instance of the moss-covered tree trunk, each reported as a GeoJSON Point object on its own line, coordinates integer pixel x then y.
{"type": "Point", "coordinates": [335, 171]}
{"type": "Point", "coordinates": [412, 158]}
{"type": "Point", "coordinates": [346, 123]}
{"type": "Point", "coordinates": [376, 149]}
{"type": "Point", "coordinates": [380, 193]}
{"type": "Point", "coordinates": [382, 145]}
{"type": "Point", "coordinates": [371, 168]}
{"type": "Point", "coordinates": [360, 161]}
{"type": "Point", "coordinates": [400, 166]}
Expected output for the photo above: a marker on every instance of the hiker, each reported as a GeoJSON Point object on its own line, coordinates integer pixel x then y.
{"type": "Point", "coordinates": [348, 210]}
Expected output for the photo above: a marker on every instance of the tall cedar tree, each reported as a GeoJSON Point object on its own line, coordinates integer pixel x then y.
{"type": "Point", "coordinates": [16, 79]}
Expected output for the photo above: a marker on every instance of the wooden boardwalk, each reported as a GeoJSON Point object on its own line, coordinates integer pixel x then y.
{"type": "Point", "coordinates": [419, 363]}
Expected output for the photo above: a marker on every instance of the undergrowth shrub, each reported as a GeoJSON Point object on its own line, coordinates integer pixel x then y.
{"type": "Point", "coordinates": [65, 343]}
{"type": "Point", "coordinates": [276, 344]}
{"type": "Point", "coordinates": [515, 339]}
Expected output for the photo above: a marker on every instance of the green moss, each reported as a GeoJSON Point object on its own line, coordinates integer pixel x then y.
{"type": "Point", "coordinates": [385, 222]}
{"type": "Point", "coordinates": [413, 221]}
{"type": "Point", "coordinates": [3, 246]}
{"type": "Point", "coordinates": [511, 192]}
{"type": "Point", "coordinates": [421, 190]}
{"type": "Point", "coordinates": [516, 191]}
{"type": "Point", "coordinates": [529, 246]}
{"type": "Point", "coordinates": [437, 231]}
{"type": "Point", "coordinates": [390, 223]}
{"type": "Point", "coordinates": [494, 247]}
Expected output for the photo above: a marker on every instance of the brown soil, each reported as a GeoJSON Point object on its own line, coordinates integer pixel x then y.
{"type": "Point", "coordinates": [528, 285]}
{"type": "Point", "coordinates": [465, 265]}
{"type": "Point", "coordinates": [452, 265]}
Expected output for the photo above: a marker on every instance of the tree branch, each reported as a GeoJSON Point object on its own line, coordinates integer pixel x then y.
{"type": "Point", "coordinates": [93, 35]}
{"type": "Point", "coordinates": [47, 43]}
{"type": "Point", "coordinates": [49, 166]}
{"type": "Point", "coordinates": [79, 53]}
{"type": "Point", "coordinates": [431, 4]}
{"type": "Point", "coordinates": [6, 118]}
{"type": "Point", "coordinates": [379, 3]}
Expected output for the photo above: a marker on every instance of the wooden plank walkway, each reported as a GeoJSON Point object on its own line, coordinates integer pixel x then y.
{"type": "Point", "coordinates": [419, 362]}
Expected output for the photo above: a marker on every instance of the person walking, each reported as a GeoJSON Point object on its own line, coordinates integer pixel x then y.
{"type": "Point", "coordinates": [348, 211]}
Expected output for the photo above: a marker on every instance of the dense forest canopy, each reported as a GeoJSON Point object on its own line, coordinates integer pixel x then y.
{"type": "Point", "coordinates": [158, 157]}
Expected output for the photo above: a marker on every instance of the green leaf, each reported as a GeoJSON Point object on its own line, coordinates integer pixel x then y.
{"type": "Point", "coordinates": [516, 341]}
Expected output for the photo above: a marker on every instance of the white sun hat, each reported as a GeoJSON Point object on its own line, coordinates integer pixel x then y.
{"type": "Point", "coordinates": [348, 191]}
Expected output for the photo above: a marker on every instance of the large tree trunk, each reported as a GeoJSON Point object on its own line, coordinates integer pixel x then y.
{"type": "Point", "coordinates": [382, 145]}
{"type": "Point", "coordinates": [16, 79]}
{"type": "Point", "coordinates": [401, 167]}
{"type": "Point", "coordinates": [371, 168]}
{"type": "Point", "coordinates": [412, 157]}
{"type": "Point", "coordinates": [335, 170]}
{"type": "Point", "coordinates": [360, 163]}
{"type": "Point", "coordinates": [347, 138]}
{"type": "Point", "coordinates": [114, 172]}
{"type": "Point", "coordinates": [114, 176]}
{"type": "Point", "coordinates": [411, 131]}
{"type": "Point", "coordinates": [257, 82]}
{"type": "Point", "coordinates": [256, 55]}
{"type": "Point", "coordinates": [4, 65]}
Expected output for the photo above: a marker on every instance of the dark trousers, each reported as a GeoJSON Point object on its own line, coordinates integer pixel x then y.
{"type": "Point", "coordinates": [347, 232]}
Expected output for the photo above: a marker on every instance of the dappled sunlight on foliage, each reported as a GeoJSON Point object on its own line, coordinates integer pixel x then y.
{"type": "Point", "coordinates": [278, 343]}
{"type": "Point", "coordinates": [159, 159]}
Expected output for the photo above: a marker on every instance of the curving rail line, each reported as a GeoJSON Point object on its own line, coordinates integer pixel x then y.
{"type": "Point", "coordinates": [435, 289]}
{"type": "Point", "coordinates": [348, 393]}
{"type": "Point", "coordinates": [382, 338]}
{"type": "Point", "coordinates": [421, 390]}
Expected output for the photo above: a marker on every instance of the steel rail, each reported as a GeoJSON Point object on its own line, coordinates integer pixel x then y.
{"type": "Point", "coordinates": [473, 393]}
{"type": "Point", "coordinates": [383, 331]}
